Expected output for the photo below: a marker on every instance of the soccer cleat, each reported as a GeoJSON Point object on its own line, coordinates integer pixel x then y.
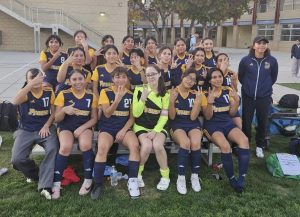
{"type": "Point", "coordinates": [46, 192]}
{"type": "Point", "coordinates": [86, 187]}
{"type": "Point", "coordinates": [181, 185]}
{"type": "Point", "coordinates": [56, 190]}
{"type": "Point", "coordinates": [141, 182]}
{"type": "Point", "coordinates": [133, 188]}
{"type": "Point", "coordinates": [96, 191]}
{"type": "Point", "coordinates": [259, 152]}
{"type": "Point", "coordinates": [163, 184]}
{"type": "Point", "coordinates": [195, 182]}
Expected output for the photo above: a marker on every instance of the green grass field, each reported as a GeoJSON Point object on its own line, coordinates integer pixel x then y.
{"type": "Point", "coordinates": [295, 86]}
{"type": "Point", "coordinates": [264, 196]}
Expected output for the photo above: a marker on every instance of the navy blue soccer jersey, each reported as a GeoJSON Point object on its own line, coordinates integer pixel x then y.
{"type": "Point", "coordinates": [134, 77]}
{"type": "Point", "coordinates": [183, 107]}
{"type": "Point", "coordinates": [51, 73]}
{"type": "Point", "coordinates": [228, 77]}
{"type": "Point", "coordinates": [172, 77]}
{"type": "Point", "coordinates": [102, 75]}
{"type": "Point", "coordinates": [122, 113]}
{"type": "Point", "coordinates": [200, 77]}
{"type": "Point", "coordinates": [221, 108]}
{"type": "Point", "coordinates": [36, 110]}
{"type": "Point", "coordinates": [151, 60]}
{"type": "Point", "coordinates": [126, 59]}
{"type": "Point", "coordinates": [84, 103]}
{"type": "Point", "coordinates": [210, 61]}
{"type": "Point", "coordinates": [182, 60]}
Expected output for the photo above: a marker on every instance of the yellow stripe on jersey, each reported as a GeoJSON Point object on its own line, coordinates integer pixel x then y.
{"type": "Point", "coordinates": [82, 112]}
{"type": "Point", "coordinates": [182, 112]}
{"type": "Point", "coordinates": [43, 57]}
{"type": "Point", "coordinates": [152, 111]}
{"type": "Point", "coordinates": [103, 98]}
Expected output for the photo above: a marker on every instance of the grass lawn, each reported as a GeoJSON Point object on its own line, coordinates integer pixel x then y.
{"type": "Point", "coordinates": [295, 86]}
{"type": "Point", "coordinates": [264, 196]}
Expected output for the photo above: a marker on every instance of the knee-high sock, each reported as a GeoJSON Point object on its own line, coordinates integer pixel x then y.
{"type": "Point", "coordinates": [195, 161]}
{"type": "Point", "coordinates": [243, 161]}
{"type": "Point", "coordinates": [88, 163]}
{"type": "Point", "coordinates": [133, 167]}
{"type": "Point", "coordinates": [226, 159]}
{"type": "Point", "coordinates": [60, 165]}
{"type": "Point", "coordinates": [182, 158]}
{"type": "Point", "coordinates": [99, 168]}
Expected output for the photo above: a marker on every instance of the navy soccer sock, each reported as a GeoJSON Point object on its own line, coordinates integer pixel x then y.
{"type": "Point", "coordinates": [243, 161]}
{"type": "Point", "coordinates": [226, 159]}
{"type": "Point", "coordinates": [133, 168]}
{"type": "Point", "coordinates": [182, 158]}
{"type": "Point", "coordinates": [196, 161]}
{"type": "Point", "coordinates": [88, 162]}
{"type": "Point", "coordinates": [60, 165]}
{"type": "Point", "coordinates": [99, 168]}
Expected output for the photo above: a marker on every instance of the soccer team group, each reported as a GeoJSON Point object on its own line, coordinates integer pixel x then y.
{"type": "Point", "coordinates": [136, 96]}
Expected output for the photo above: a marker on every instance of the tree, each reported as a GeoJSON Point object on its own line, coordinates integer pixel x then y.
{"type": "Point", "coordinates": [152, 10]}
{"type": "Point", "coordinates": [211, 13]}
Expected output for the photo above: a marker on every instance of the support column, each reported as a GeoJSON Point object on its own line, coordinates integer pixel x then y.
{"type": "Point", "coordinates": [54, 30]}
{"type": "Point", "coordinates": [193, 30]}
{"type": "Point", "coordinates": [254, 32]}
{"type": "Point", "coordinates": [235, 36]}
{"type": "Point", "coordinates": [219, 36]}
{"type": "Point", "coordinates": [172, 35]}
{"type": "Point", "coordinates": [37, 38]}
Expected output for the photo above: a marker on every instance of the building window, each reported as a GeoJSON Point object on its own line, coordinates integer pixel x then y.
{"type": "Point", "coordinates": [266, 30]}
{"type": "Point", "coordinates": [213, 33]}
{"type": "Point", "coordinates": [290, 32]}
{"type": "Point", "coordinates": [177, 32]}
{"type": "Point", "coordinates": [286, 5]}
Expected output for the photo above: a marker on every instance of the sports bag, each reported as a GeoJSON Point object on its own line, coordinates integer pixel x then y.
{"type": "Point", "coordinates": [8, 116]}
{"type": "Point", "coordinates": [289, 101]}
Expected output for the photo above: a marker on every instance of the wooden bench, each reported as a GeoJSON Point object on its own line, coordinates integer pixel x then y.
{"type": "Point", "coordinates": [207, 151]}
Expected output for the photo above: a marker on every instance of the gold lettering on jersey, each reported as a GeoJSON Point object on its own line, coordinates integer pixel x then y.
{"type": "Point", "coordinates": [183, 112]}
{"type": "Point", "coordinates": [121, 113]}
{"type": "Point", "coordinates": [34, 112]}
{"type": "Point", "coordinates": [54, 67]}
{"type": "Point", "coordinates": [221, 109]}
{"type": "Point", "coordinates": [152, 111]}
{"type": "Point", "coordinates": [168, 83]}
{"type": "Point", "coordinates": [105, 84]}
{"type": "Point", "coordinates": [82, 112]}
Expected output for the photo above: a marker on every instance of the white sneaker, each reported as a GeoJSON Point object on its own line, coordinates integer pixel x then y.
{"type": "Point", "coordinates": [86, 187]}
{"type": "Point", "coordinates": [133, 188]}
{"type": "Point", "coordinates": [141, 182]}
{"type": "Point", "coordinates": [195, 182]}
{"type": "Point", "coordinates": [56, 190]}
{"type": "Point", "coordinates": [259, 152]}
{"type": "Point", "coordinates": [46, 194]}
{"type": "Point", "coordinates": [163, 184]}
{"type": "Point", "coordinates": [181, 185]}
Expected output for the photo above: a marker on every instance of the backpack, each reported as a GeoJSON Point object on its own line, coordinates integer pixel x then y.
{"type": "Point", "coordinates": [289, 101]}
{"type": "Point", "coordinates": [8, 116]}
{"type": "Point", "coordinates": [294, 146]}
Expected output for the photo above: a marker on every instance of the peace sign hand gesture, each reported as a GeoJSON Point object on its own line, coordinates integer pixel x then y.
{"type": "Point", "coordinates": [211, 96]}
{"type": "Point", "coordinates": [175, 63]}
{"type": "Point", "coordinates": [173, 95]}
{"type": "Point", "coordinates": [199, 95]}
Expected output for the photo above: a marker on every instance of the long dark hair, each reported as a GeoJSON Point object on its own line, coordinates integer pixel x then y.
{"type": "Point", "coordinates": [107, 47]}
{"type": "Point", "coordinates": [212, 50]}
{"type": "Point", "coordinates": [34, 72]}
{"type": "Point", "coordinates": [252, 52]}
{"type": "Point", "coordinates": [207, 83]}
{"type": "Point", "coordinates": [79, 48]}
{"type": "Point", "coordinates": [80, 31]}
{"type": "Point", "coordinates": [150, 38]}
{"type": "Point", "coordinates": [161, 88]}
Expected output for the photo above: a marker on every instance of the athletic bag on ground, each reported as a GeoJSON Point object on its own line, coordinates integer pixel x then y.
{"type": "Point", "coordinates": [274, 168]}
{"type": "Point", "coordinates": [289, 101]}
{"type": "Point", "coordinates": [294, 146]}
{"type": "Point", "coordinates": [8, 116]}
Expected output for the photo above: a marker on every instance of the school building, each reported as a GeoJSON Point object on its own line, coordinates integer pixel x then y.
{"type": "Point", "coordinates": [277, 20]}
{"type": "Point", "coordinates": [26, 24]}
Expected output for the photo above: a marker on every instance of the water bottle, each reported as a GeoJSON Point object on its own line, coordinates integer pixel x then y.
{"type": "Point", "coordinates": [113, 176]}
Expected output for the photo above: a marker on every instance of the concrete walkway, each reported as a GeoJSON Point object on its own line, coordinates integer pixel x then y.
{"type": "Point", "coordinates": [13, 66]}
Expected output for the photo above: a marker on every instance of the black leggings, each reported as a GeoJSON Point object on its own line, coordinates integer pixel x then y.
{"type": "Point", "coordinates": [262, 108]}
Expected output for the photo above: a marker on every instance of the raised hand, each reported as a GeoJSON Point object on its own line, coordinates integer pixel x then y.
{"type": "Point", "coordinates": [99, 52]}
{"type": "Point", "coordinates": [119, 62]}
{"type": "Point", "coordinates": [145, 93]}
{"type": "Point", "coordinates": [58, 53]}
{"type": "Point", "coordinates": [36, 81]}
{"type": "Point", "coordinates": [175, 63]}
{"type": "Point", "coordinates": [233, 94]}
{"type": "Point", "coordinates": [190, 61]}
{"type": "Point", "coordinates": [173, 95]}
{"type": "Point", "coordinates": [70, 58]}
{"type": "Point", "coordinates": [199, 95]}
{"type": "Point", "coordinates": [83, 43]}
{"type": "Point", "coordinates": [70, 110]}
{"type": "Point", "coordinates": [211, 96]}
{"type": "Point", "coordinates": [224, 64]}
{"type": "Point", "coordinates": [121, 91]}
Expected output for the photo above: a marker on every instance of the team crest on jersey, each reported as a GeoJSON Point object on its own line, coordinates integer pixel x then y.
{"type": "Point", "coordinates": [32, 101]}
{"type": "Point", "coordinates": [251, 64]}
{"type": "Point", "coordinates": [176, 101]}
{"type": "Point", "coordinates": [101, 75]}
{"type": "Point", "coordinates": [267, 65]}
{"type": "Point", "coordinates": [71, 101]}
{"type": "Point", "coordinates": [62, 59]}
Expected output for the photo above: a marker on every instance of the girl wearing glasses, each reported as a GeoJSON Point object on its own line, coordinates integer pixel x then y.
{"type": "Point", "coordinates": [150, 109]}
